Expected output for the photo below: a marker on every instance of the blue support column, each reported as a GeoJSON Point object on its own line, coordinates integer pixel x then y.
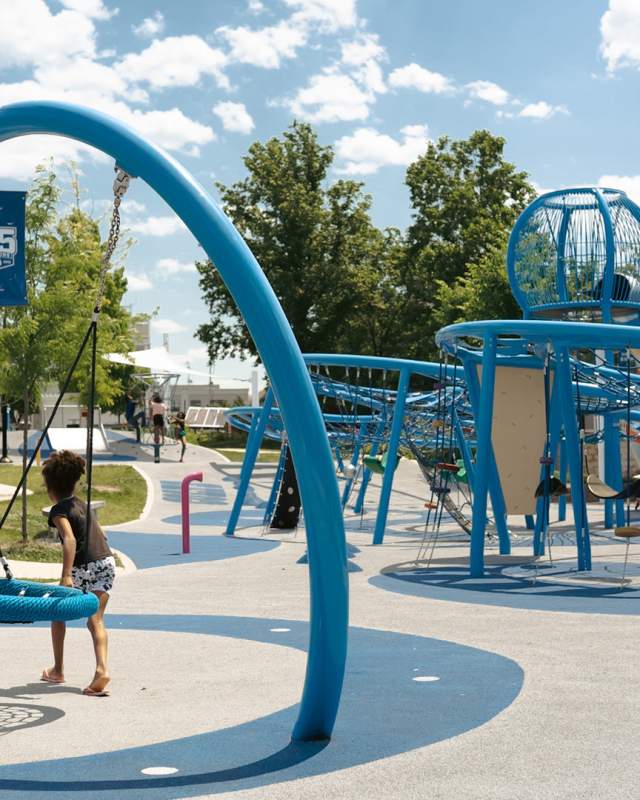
{"type": "Point", "coordinates": [543, 515]}
{"type": "Point", "coordinates": [366, 473]}
{"type": "Point", "coordinates": [484, 423]}
{"type": "Point", "coordinates": [390, 469]}
{"type": "Point", "coordinates": [354, 462]}
{"type": "Point", "coordinates": [258, 427]}
{"type": "Point", "coordinates": [529, 521]}
{"type": "Point", "coordinates": [465, 451]}
{"type": "Point", "coordinates": [562, 500]}
{"type": "Point", "coordinates": [495, 489]}
{"type": "Point", "coordinates": [613, 472]}
{"type": "Point", "coordinates": [572, 436]}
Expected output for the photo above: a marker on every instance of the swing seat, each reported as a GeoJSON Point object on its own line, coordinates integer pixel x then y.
{"type": "Point", "coordinates": [431, 505]}
{"type": "Point", "coordinates": [628, 531]}
{"type": "Point", "coordinates": [556, 488]}
{"type": "Point", "coordinates": [461, 474]}
{"type": "Point", "coordinates": [27, 601]}
{"type": "Point", "coordinates": [378, 464]}
{"type": "Point", "coordinates": [444, 467]}
{"type": "Point", "coordinates": [603, 492]}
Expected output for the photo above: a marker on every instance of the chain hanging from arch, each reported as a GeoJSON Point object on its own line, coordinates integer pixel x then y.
{"type": "Point", "coordinates": [120, 186]}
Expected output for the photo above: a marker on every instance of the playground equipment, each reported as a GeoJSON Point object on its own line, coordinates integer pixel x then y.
{"type": "Point", "coordinates": [184, 509]}
{"type": "Point", "coordinates": [373, 408]}
{"type": "Point", "coordinates": [281, 357]}
{"type": "Point", "coordinates": [573, 259]}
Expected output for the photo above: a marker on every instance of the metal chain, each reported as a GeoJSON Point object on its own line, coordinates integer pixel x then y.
{"type": "Point", "coordinates": [120, 186]}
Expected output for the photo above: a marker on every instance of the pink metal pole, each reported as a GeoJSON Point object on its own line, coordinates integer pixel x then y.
{"type": "Point", "coordinates": [184, 493]}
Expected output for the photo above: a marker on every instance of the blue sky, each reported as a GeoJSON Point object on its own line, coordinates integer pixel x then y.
{"type": "Point", "coordinates": [559, 80]}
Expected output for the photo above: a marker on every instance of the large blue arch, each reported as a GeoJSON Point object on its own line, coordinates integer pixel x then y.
{"type": "Point", "coordinates": [282, 358]}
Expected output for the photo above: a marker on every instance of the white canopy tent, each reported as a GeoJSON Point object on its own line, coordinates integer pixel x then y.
{"type": "Point", "coordinates": [159, 362]}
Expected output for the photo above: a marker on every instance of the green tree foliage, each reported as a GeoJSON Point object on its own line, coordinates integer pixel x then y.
{"type": "Point", "coordinates": [325, 260]}
{"type": "Point", "coordinates": [39, 341]}
{"type": "Point", "coordinates": [483, 292]}
{"type": "Point", "coordinates": [347, 286]}
{"type": "Point", "coordinates": [465, 199]}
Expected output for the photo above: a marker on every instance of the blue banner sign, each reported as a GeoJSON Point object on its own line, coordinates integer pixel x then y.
{"type": "Point", "coordinates": [13, 286]}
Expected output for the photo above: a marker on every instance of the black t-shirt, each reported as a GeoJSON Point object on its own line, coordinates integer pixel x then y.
{"type": "Point", "coordinates": [75, 510]}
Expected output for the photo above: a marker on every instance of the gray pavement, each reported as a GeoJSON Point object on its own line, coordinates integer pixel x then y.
{"type": "Point", "coordinates": [207, 669]}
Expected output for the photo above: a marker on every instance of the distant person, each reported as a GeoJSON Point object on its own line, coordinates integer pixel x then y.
{"type": "Point", "coordinates": [157, 412]}
{"type": "Point", "coordinates": [87, 562]}
{"type": "Point", "coordinates": [134, 420]}
{"type": "Point", "coordinates": [181, 432]}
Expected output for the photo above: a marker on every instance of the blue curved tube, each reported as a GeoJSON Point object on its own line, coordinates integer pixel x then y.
{"type": "Point", "coordinates": [282, 358]}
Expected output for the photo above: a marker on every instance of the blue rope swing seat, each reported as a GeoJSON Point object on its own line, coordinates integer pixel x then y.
{"type": "Point", "coordinates": [25, 601]}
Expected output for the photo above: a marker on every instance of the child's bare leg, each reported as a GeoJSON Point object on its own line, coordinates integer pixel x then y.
{"type": "Point", "coordinates": [96, 627]}
{"type": "Point", "coordinates": [56, 672]}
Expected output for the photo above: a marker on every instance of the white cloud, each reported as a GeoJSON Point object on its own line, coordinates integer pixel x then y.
{"type": "Point", "coordinates": [413, 76]}
{"type": "Point", "coordinates": [363, 56]}
{"type": "Point", "coordinates": [171, 266]}
{"type": "Point", "coordinates": [157, 226]}
{"type": "Point", "coordinates": [175, 61]}
{"type": "Point", "coordinates": [541, 110]}
{"type": "Point", "coordinates": [234, 116]}
{"type": "Point", "coordinates": [166, 326]}
{"type": "Point", "coordinates": [330, 15]}
{"type": "Point", "coordinates": [265, 47]}
{"type": "Point", "coordinates": [489, 92]}
{"type": "Point", "coordinates": [171, 129]}
{"type": "Point", "coordinates": [94, 9]}
{"type": "Point", "coordinates": [131, 207]}
{"type": "Point", "coordinates": [255, 6]}
{"type": "Point", "coordinates": [620, 34]}
{"type": "Point", "coordinates": [19, 157]}
{"type": "Point", "coordinates": [366, 150]}
{"type": "Point", "coordinates": [150, 26]}
{"type": "Point", "coordinates": [628, 183]}
{"type": "Point", "coordinates": [138, 283]}
{"type": "Point", "coordinates": [331, 96]}
{"type": "Point", "coordinates": [33, 35]}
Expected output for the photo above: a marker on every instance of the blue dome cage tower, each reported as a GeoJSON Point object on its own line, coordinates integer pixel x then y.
{"type": "Point", "coordinates": [574, 254]}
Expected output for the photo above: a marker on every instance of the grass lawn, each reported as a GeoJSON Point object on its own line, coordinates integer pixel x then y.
{"type": "Point", "coordinates": [264, 456]}
{"type": "Point", "coordinates": [122, 488]}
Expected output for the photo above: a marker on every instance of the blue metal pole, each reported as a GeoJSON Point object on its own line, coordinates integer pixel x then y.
{"type": "Point", "coordinates": [354, 462]}
{"type": "Point", "coordinates": [529, 522]}
{"type": "Point", "coordinates": [495, 489]}
{"type": "Point", "coordinates": [613, 472]}
{"type": "Point", "coordinates": [543, 509]}
{"type": "Point", "coordinates": [572, 436]}
{"type": "Point", "coordinates": [254, 440]}
{"type": "Point", "coordinates": [562, 500]}
{"type": "Point", "coordinates": [366, 473]}
{"type": "Point", "coordinates": [390, 469]}
{"type": "Point", "coordinates": [483, 457]}
{"type": "Point", "coordinates": [463, 446]}
{"type": "Point", "coordinates": [272, 334]}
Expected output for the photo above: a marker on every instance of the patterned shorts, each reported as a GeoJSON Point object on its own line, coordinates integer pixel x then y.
{"type": "Point", "coordinates": [96, 576]}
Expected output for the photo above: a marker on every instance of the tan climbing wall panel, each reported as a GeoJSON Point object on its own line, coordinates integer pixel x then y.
{"type": "Point", "coordinates": [518, 434]}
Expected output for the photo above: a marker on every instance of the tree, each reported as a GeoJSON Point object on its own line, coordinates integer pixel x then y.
{"type": "Point", "coordinates": [39, 341]}
{"type": "Point", "coordinates": [465, 199]}
{"type": "Point", "coordinates": [483, 292]}
{"type": "Point", "coordinates": [321, 253]}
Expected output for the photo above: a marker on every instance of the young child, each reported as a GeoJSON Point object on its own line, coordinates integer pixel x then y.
{"type": "Point", "coordinates": [157, 410]}
{"type": "Point", "coordinates": [181, 433]}
{"type": "Point", "coordinates": [85, 565]}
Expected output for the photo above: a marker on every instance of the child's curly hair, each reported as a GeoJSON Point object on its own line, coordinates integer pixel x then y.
{"type": "Point", "coordinates": [61, 471]}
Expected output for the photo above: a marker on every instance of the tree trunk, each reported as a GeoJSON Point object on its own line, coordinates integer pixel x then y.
{"type": "Point", "coordinates": [25, 456]}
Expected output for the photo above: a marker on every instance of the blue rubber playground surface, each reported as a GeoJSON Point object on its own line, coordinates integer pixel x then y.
{"type": "Point", "coordinates": [149, 550]}
{"type": "Point", "coordinates": [401, 692]}
{"type": "Point", "coordinates": [452, 582]}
